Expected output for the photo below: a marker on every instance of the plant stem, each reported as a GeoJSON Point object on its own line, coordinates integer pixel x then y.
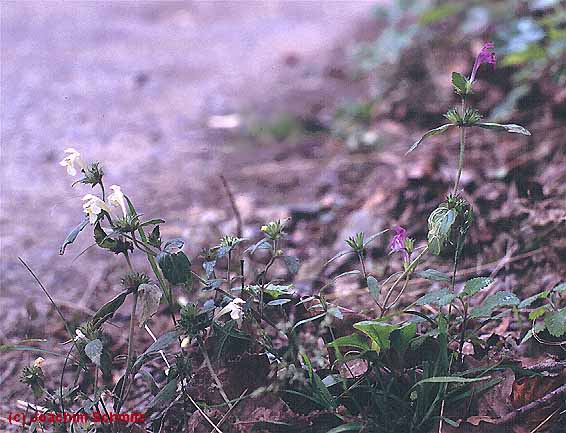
{"type": "Point", "coordinates": [360, 256]}
{"type": "Point", "coordinates": [462, 149]}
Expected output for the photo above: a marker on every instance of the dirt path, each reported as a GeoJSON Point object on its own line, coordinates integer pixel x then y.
{"type": "Point", "coordinates": [132, 85]}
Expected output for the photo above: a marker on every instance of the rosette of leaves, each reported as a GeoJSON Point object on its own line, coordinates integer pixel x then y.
{"type": "Point", "coordinates": [193, 321]}
{"type": "Point", "coordinates": [448, 225]}
{"type": "Point", "coordinates": [175, 264]}
{"type": "Point", "coordinates": [32, 375]}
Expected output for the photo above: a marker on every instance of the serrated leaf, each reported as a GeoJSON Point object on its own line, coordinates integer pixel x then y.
{"type": "Point", "coordinates": [149, 299]}
{"type": "Point", "coordinates": [373, 287]}
{"type": "Point", "coordinates": [440, 297]}
{"type": "Point", "coordinates": [556, 322]}
{"type": "Point", "coordinates": [475, 285]}
{"type": "Point", "coordinates": [93, 350]}
{"type": "Point", "coordinates": [379, 332]}
{"type": "Point", "coordinates": [460, 82]}
{"type": "Point", "coordinates": [73, 235]}
{"type": "Point", "coordinates": [427, 134]}
{"type": "Point", "coordinates": [511, 127]}
{"type": "Point", "coordinates": [499, 299]}
{"type": "Point", "coordinates": [292, 264]}
{"type": "Point", "coordinates": [433, 275]}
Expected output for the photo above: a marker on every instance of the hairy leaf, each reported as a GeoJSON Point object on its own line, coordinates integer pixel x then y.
{"type": "Point", "coordinates": [556, 322]}
{"type": "Point", "coordinates": [73, 235]}
{"type": "Point", "coordinates": [150, 296]}
{"type": "Point", "coordinates": [511, 127]}
{"type": "Point", "coordinates": [93, 350]}
{"type": "Point", "coordinates": [427, 134]}
{"type": "Point", "coordinates": [475, 285]}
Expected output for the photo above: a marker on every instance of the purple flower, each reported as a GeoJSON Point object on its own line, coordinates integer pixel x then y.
{"type": "Point", "coordinates": [398, 242]}
{"type": "Point", "coordinates": [486, 55]}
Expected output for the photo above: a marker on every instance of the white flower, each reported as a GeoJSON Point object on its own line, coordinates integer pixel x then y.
{"type": "Point", "coordinates": [79, 335]}
{"type": "Point", "coordinates": [92, 206]}
{"type": "Point", "coordinates": [73, 157]}
{"type": "Point", "coordinates": [38, 362]}
{"type": "Point", "coordinates": [235, 310]}
{"type": "Point", "coordinates": [117, 198]}
{"type": "Point", "coordinates": [185, 343]}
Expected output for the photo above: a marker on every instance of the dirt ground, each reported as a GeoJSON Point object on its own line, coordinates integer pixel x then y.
{"type": "Point", "coordinates": [133, 86]}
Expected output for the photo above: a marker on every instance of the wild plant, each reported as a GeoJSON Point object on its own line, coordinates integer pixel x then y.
{"type": "Point", "coordinates": [400, 369]}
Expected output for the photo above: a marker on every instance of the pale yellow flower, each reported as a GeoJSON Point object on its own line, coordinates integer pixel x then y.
{"type": "Point", "coordinates": [92, 206]}
{"type": "Point", "coordinates": [235, 310]}
{"type": "Point", "coordinates": [73, 157]}
{"type": "Point", "coordinates": [117, 198]}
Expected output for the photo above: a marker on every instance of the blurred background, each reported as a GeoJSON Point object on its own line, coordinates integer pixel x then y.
{"type": "Point", "coordinates": [306, 108]}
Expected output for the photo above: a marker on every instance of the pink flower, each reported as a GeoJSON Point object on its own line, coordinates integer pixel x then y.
{"type": "Point", "coordinates": [486, 55]}
{"type": "Point", "coordinates": [398, 242]}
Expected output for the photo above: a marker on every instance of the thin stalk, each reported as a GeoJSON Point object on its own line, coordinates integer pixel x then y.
{"type": "Point", "coordinates": [361, 258]}
{"type": "Point", "coordinates": [409, 270]}
{"type": "Point", "coordinates": [462, 149]}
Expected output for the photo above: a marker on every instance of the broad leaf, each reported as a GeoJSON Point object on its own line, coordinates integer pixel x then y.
{"type": "Point", "coordinates": [511, 127]}
{"type": "Point", "coordinates": [353, 340]}
{"type": "Point", "coordinates": [373, 287]}
{"type": "Point", "coordinates": [475, 285]}
{"type": "Point", "coordinates": [500, 299]}
{"type": "Point", "coordinates": [556, 322]}
{"type": "Point", "coordinates": [379, 332]}
{"type": "Point", "coordinates": [427, 134]}
{"type": "Point", "coordinates": [460, 82]}
{"type": "Point", "coordinates": [531, 299]}
{"type": "Point", "coordinates": [176, 266]}
{"type": "Point", "coordinates": [440, 297]}
{"type": "Point", "coordinates": [433, 275]}
{"type": "Point", "coordinates": [93, 350]}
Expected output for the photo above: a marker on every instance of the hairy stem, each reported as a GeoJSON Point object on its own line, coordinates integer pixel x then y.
{"type": "Point", "coordinates": [462, 150]}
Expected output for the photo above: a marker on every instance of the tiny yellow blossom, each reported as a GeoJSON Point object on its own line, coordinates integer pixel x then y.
{"type": "Point", "coordinates": [92, 206]}
{"type": "Point", "coordinates": [263, 228]}
{"type": "Point", "coordinates": [73, 157]}
{"type": "Point", "coordinates": [117, 198]}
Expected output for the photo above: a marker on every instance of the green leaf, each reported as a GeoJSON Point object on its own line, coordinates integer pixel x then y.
{"type": "Point", "coordinates": [107, 310]}
{"type": "Point", "coordinates": [440, 297]}
{"type": "Point", "coordinates": [560, 288]}
{"type": "Point", "coordinates": [165, 395]}
{"type": "Point", "coordinates": [474, 285]}
{"type": "Point", "coordinates": [278, 302]}
{"type": "Point", "coordinates": [537, 312]}
{"type": "Point", "coordinates": [163, 342]}
{"type": "Point", "coordinates": [500, 299]}
{"type": "Point", "coordinates": [154, 221]}
{"type": "Point", "coordinates": [73, 235]}
{"type": "Point", "coordinates": [433, 275]}
{"type": "Point", "coordinates": [93, 350]}
{"type": "Point", "coordinates": [176, 266]}
{"type": "Point", "coordinates": [531, 299]}
{"type": "Point", "coordinates": [352, 340]}
{"type": "Point", "coordinates": [276, 291]}
{"type": "Point", "coordinates": [352, 426]}
{"type": "Point", "coordinates": [373, 287]}
{"type": "Point", "coordinates": [511, 127]}
{"type": "Point", "coordinates": [440, 224]}
{"type": "Point", "coordinates": [427, 134]}
{"type": "Point", "coordinates": [401, 338]}
{"type": "Point", "coordinates": [460, 83]}
{"type": "Point", "coordinates": [149, 299]}
{"type": "Point", "coordinates": [556, 322]}
{"type": "Point", "coordinates": [379, 332]}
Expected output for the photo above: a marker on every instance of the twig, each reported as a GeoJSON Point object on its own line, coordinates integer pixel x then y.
{"type": "Point", "coordinates": [234, 206]}
{"type": "Point", "coordinates": [225, 416]}
{"type": "Point", "coordinates": [214, 426]}
{"type": "Point", "coordinates": [537, 404]}
{"type": "Point", "coordinates": [213, 374]}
